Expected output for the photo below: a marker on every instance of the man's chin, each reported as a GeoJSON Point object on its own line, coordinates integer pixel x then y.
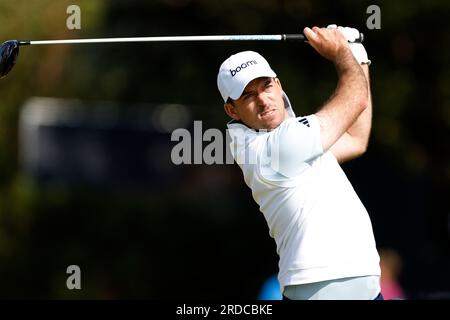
{"type": "Point", "coordinates": [272, 124]}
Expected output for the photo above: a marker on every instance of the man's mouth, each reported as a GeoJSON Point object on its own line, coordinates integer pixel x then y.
{"type": "Point", "coordinates": [267, 113]}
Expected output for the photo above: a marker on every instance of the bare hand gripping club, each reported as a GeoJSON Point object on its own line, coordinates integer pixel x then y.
{"type": "Point", "coordinates": [9, 50]}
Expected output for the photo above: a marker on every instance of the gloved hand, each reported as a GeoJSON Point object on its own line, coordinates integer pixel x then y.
{"type": "Point", "coordinates": [358, 50]}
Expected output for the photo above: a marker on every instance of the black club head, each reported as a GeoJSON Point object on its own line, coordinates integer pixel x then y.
{"type": "Point", "coordinates": [9, 51]}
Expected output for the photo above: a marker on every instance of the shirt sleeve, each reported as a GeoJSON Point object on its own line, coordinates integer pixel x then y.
{"type": "Point", "coordinates": [294, 143]}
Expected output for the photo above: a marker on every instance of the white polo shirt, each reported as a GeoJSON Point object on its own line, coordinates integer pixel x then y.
{"type": "Point", "coordinates": [321, 229]}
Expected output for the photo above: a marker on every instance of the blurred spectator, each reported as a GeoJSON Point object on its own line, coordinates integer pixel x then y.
{"type": "Point", "coordinates": [270, 289]}
{"type": "Point", "coordinates": [391, 266]}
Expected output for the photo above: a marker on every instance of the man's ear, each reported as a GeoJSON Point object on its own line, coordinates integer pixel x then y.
{"type": "Point", "coordinates": [230, 110]}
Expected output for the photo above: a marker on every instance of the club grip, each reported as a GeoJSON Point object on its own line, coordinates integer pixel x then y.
{"type": "Point", "coordinates": [293, 37]}
{"type": "Point", "coordinates": [297, 37]}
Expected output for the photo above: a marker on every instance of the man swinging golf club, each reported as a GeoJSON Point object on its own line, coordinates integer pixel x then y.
{"type": "Point", "coordinates": [323, 232]}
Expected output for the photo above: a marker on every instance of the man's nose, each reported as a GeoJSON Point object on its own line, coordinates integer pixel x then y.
{"type": "Point", "coordinates": [262, 98]}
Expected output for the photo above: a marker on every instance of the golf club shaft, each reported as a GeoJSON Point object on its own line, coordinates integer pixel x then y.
{"type": "Point", "coordinates": [170, 39]}
{"type": "Point", "coordinates": [266, 37]}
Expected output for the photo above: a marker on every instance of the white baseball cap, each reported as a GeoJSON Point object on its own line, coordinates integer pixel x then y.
{"type": "Point", "coordinates": [238, 70]}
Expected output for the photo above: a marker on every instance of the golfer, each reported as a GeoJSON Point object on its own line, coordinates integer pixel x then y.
{"type": "Point", "coordinates": [322, 231]}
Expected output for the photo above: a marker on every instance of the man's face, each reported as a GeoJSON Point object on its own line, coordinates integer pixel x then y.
{"type": "Point", "coordinates": [261, 105]}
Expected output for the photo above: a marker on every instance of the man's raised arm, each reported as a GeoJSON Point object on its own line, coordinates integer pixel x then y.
{"type": "Point", "coordinates": [354, 142]}
{"type": "Point", "coordinates": [350, 98]}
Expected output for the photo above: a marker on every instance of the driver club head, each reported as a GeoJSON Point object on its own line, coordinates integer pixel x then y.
{"type": "Point", "coordinates": [9, 51]}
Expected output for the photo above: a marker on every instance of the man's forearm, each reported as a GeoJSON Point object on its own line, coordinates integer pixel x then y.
{"type": "Point", "coordinates": [346, 104]}
{"type": "Point", "coordinates": [361, 128]}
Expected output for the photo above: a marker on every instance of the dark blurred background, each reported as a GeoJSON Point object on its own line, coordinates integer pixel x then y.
{"type": "Point", "coordinates": [85, 172]}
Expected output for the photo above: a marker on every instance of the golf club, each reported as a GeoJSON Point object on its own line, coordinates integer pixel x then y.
{"type": "Point", "coordinates": [9, 50]}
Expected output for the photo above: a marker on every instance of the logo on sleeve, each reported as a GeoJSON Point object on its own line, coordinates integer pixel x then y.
{"type": "Point", "coordinates": [304, 121]}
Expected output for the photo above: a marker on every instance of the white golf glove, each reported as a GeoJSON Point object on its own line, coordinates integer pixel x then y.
{"type": "Point", "coordinates": [358, 50]}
